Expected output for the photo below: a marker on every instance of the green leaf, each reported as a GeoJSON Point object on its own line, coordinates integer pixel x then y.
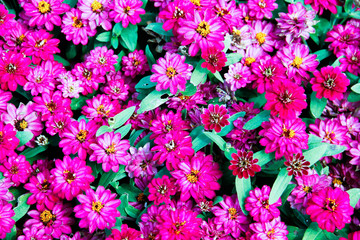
{"type": "Point", "coordinates": [353, 97]}
{"type": "Point", "coordinates": [218, 199]}
{"type": "Point", "coordinates": [129, 36]}
{"type": "Point", "coordinates": [145, 83]}
{"type": "Point", "coordinates": [317, 106]}
{"type": "Point", "coordinates": [337, 62]}
{"type": "Point", "coordinates": [115, 42]}
{"type": "Point", "coordinates": [295, 233]}
{"type": "Point", "coordinates": [111, 176]}
{"type": "Point", "coordinates": [256, 121]}
{"type": "Point", "coordinates": [355, 15]}
{"type": "Point", "coordinates": [312, 232]}
{"type": "Point", "coordinates": [216, 139]}
{"type": "Point", "coordinates": [322, 54]}
{"type": "Point", "coordinates": [333, 149]}
{"type": "Point", "coordinates": [104, 37]}
{"type": "Point", "coordinates": [315, 154]}
{"type": "Point", "coordinates": [61, 60]}
{"type": "Point", "coordinates": [144, 4]}
{"type": "Point", "coordinates": [32, 152]}
{"type": "Point", "coordinates": [218, 76]}
{"type": "Point", "coordinates": [200, 141]}
{"type": "Point", "coordinates": [150, 57]}
{"type": "Point", "coordinates": [233, 58]}
{"type": "Point", "coordinates": [22, 207]}
{"type": "Point", "coordinates": [143, 141]}
{"type": "Point", "coordinates": [132, 212]}
{"type": "Point", "coordinates": [190, 90]}
{"type": "Point", "coordinates": [243, 187]}
{"type": "Point", "coordinates": [102, 130]}
{"type": "Point", "coordinates": [225, 130]}
{"type": "Point", "coordinates": [354, 195]}
{"type": "Point", "coordinates": [71, 51]}
{"type": "Point", "coordinates": [348, 6]}
{"type": "Point", "coordinates": [279, 186]}
{"type": "Point", "coordinates": [124, 130]}
{"type": "Point", "coordinates": [122, 117]}
{"type": "Point", "coordinates": [353, 78]}
{"type": "Point", "coordinates": [24, 137]}
{"type": "Point", "coordinates": [78, 103]}
{"type": "Point", "coordinates": [12, 235]}
{"type": "Point", "coordinates": [117, 29]}
{"type": "Point", "coordinates": [133, 137]}
{"type": "Point", "coordinates": [158, 28]}
{"type": "Point", "coordinates": [227, 42]}
{"type": "Point", "coordinates": [199, 74]}
{"type": "Point", "coordinates": [153, 100]}
{"type": "Point", "coordinates": [263, 157]}
{"type": "Point", "coordinates": [356, 88]}
{"type": "Point", "coordinates": [71, 3]}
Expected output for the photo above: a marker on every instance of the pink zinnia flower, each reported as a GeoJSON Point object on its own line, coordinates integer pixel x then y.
{"type": "Point", "coordinates": [71, 177]}
{"type": "Point", "coordinates": [178, 224]}
{"type": "Point", "coordinates": [111, 151]}
{"type": "Point", "coordinates": [6, 20]}
{"type": "Point", "coordinates": [330, 83]}
{"type": "Point", "coordinates": [97, 209]}
{"type": "Point", "coordinates": [215, 117]}
{"type": "Point", "coordinates": [297, 165]}
{"type": "Point", "coordinates": [253, 54]}
{"type": "Point", "coordinates": [142, 163]}
{"type": "Point", "coordinates": [330, 208]}
{"type": "Point", "coordinates": [343, 36]}
{"type": "Point", "coordinates": [161, 189]}
{"type": "Point", "coordinates": [202, 30]}
{"type": "Point", "coordinates": [266, 72]}
{"type": "Point", "coordinates": [101, 108]}
{"type": "Point", "coordinates": [96, 12]}
{"type": "Point", "coordinates": [45, 12]}
{"type": "Point", "coordinates": [116, 87]}
{"type": "Point", "coordinates": [125, 233]}
{"type": "Point", "coordinates": [77, 138]}
{"type": "Point", "coordinates": [354, 152]}
{"type": "Point", "coordinates": [173, 12]}
{"type": "Point", "coordinates": [70, 87]}
{"type": "Point", "coordinates": [57, 124]}
{"type": "Point", "coordinates": [262, 33]}
{"type": "Point", "coordinates": [171, 72]}
{"type": "Point", "coordinates": [243, 165]}
{"type": "Point", "coordinates": [167, 122]}
{"type": "Point", "coordinates": [241, 38]}
{"type": "Point", "coordinates": [75, 28]}
{"type": "Point", "coordinates": [8, 140]}
{"type": "Point", "coordinates": [16, 168]}
{"type": "Point", "coordinates": [5, 97]}
{"type": "Point", "coordinates": [15, 36]}
{"type": "Point", "coordinates": [197, 177]}
{"type": "Point", "coordinates": [284, 136]}
{"type": "Point", "coordinates": [228, 13]}
{"type": "Point", "coordinates": [127, 11]}
{"type": "Point", "coordinates": [258, 205]}
{"type": "Point", "coordinates": [6, 221]}
{"type": "Point", "coordinates": [331, 131]}
{"type": "Point", "coordinates": [5, 194]}
{"type": "Point", "coordinates": [135, 63]}
{"type": "Point", "coordinates": [14, 68]}
{"type": "Point", "coordinates": [39, 81]}
{"type": "Point", "coordinates": [215, 59]}
{"type": "Point", "coordinates": [274, 229]}
{"type": "Point", "coordinates": [286, 99]}
{"type": "Point", "coordinates": [102, 60]}
{"type": "Point", "coordinates": [321, 5]}
{"type": "Point", "coordinates": [262, 8]}
{"type": "Point", "coordinates": [84, 73]}
{"type": "Point", "coordinates": [298, 62]}
{"type": "Point", "coordinates": [351, 61]}
{"type": "Point", "coordinates": [230, 216]}
{"type": "Point", "coordinates": [54, 220]}
{"type": "Point", "coordinates": [40, 46]}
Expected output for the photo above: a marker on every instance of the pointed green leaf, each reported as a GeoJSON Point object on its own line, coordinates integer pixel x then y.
{"type": "Point", "coordinates": [279, 186]}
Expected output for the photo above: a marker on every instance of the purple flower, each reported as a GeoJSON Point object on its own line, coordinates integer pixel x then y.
{"type": "Point", "coordinates": [127, 11]}
{"type": "Point", "coordinates": [135, 63]}
{"type": "Point", "coordinates": [262, 8]}
{"type": "Point", "coordinates": [274, 229]}
{"type": "Point", "coordinates": [161, 189]}
{"type": "Point", "coordinates": [102, 60]}
{"type": "Point", "coordinates": [142, 163]}
{"type": "Point", "coordinates": [96, 12]}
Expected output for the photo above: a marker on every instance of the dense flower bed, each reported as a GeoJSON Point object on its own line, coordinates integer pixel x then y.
{"type": "Point", "coordinates": [179, 119]}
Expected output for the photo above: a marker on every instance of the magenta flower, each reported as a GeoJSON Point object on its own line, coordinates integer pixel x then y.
{"type": "Point", "coordinates": [354, 152]}
{"type": "Point", "coordinates": [127, 11]}
{"type": "Point", "coordinates": [241, 39]}
{"type": "Point", "coordinates": [243, 165]}
{"type": "Point", "coordinates": [171, 72]}
{"type": "Point", "coordinates": [14, 68]}
{"type": "Point", "coordinates": [262, 8]}
{"type": "Point", "coordinates": [125, 233]}
{"type": "Point", "coordinates": [285, 137]}
{"type": "Point", "coordinates": [45, 13]}
{"type": "Point", "coordinates": [8, 140]}
{"type": "Point", "coordinates": [5, 97]}
{"type": "Point", "coordinates": [15, 36]}
{"type": "Point", "coordinates": [258, 205]}
{"type": "Point", "coordinates": [262, 33]}
{"type": "Point", "coordinates": [7, 20]}
{"type": "Point", "coordinates": [230, 216]}
{"type": "Point", "coordinates": [57, 124]}
{"type": "Point", "coordinates": [330, 208]}
{"type": "Point", "coordinates": [298, 22]}
{"type": "Point", "coordinates": [116, 88]}
{"type": "Point", "coordinates": [274, 229]}
{"type": "Point", "coordinates": [166, 123]}
{"type": "Point", "coordinates": [202, 30]}
{"type": "Point", "coordinates": [135, 63]}
{"type": "Point", "coordinates": [97, 209]}
{"type": "Point", "coordinates": [266, 72]}
{"type": "Point", "coordinates": [5, 194]}
{"type": "Point", "coordinates": [330, 83]}
{"type": "Point", "coordinates": [6, 221]}
{"type": "Point", "coordinates": [215, 117]}
{"type": "Point", "coordinates": [172, 147]}
{"type": "Point", "coordinates": [84, 73]}
{"type": "Point", "coordinates": [178, 224]}
{"type": "Point", "coordinates": [298, 61]}
{"type": "Point", "coordinates": [55, 220]}
{"type": "Point", "coordinates": [286, 99]}
{"type": "Point", "coordinates": [306, 186]}
{"type": "Point", "coordinates": [101, 108]}
{"type": "Point", "coordinates": [71, 177]}
{"type": "Point", "coordinates": [173, 12]}
{"type": "Point", "coordinates": [321, 5]}
{"type": "Point", "coordinates": [102, 60]}
{"type": "Point", "coordinates": [39, 81]}
{"type": "Point", "coordinates": [215, 59]}
{"type": "Point", "coordinates": [197, 177]}
{"type": "Point", "coordinates": [96, 12]}
{"type": "Point", "coordinates": [331, 131]}
{"type": "Point", "coordinates": [76, 28]}
{"type": "Point", "coordinates": [351, 61]}
{"type": "Point", "coordinates": [111, 151]}
{"type": "Point", "coordinates": [161, 189]}
{"type": "Point", "coordinates": [40, 46]}
{"type": "Point", "coordinates": [16, 168]}
{"type": "Point", "coordinates": [341, 37]}
{"type": "Point", "coordinates": [297, 165]}
{"type": "Point", "coordinates": [142, 163]}
{"type": "Point", "coordinates": [77, 138]}
{"type": "Point", "coordinates": [253, 54]}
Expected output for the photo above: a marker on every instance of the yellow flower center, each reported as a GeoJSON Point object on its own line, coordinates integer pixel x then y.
{"type": "Point", "coordinates": [307, 189]}
{"type": "Point", "coordinates": [20, 40]}
{"type": "Point", "coordinates": [44, 7]}
{"type": "Point", "coordinates": [14, 169]}
{"type": "Point", "coordinates": [40, 43]}
{"type": "Point", "coordinates": [101, 110]}
{"type": "Point", "coordinates": [95, 6]}
{"type": "Point", "coordinates": [249, 61]}
{"type": "Point", "coordinates": [51, 106]}
{"type": "Point", "coordinates": [297, 62]}
{"type": "Point", "coordinates": [97, 206]}
{"type": "Point", "coordinates": [77, 22]}
{"type": "Point", "coordinates": [260, 37]}
{"type": "Point", "coordinates": [331, 204]}
{"type": "Point", "coordinates": [110, 149]}
{"type": "Point", "coordinates": [236, 32]}
{"type": "Point", "coordinates": [270, 233]}
{"type": "Point", "coordinates": [21, 125]}
{"type": "Point", "coordinates": [11, 68]}
{"type": "Point", "coordinates": [170, 72]}
{"type": "Point", "coordinates": [81, 136]}
{"type": "Point", "coordinates": [127, 9]}
{"type": "Point", "coordinates": [203, 28]}
{"type": "Point", "coordinates": [262, 4]}
{"type": "Point", "coordinates": [46, 216]}
{"type": "Point", "coordinates": [337, 181]}
{"type": "Point", "coordinates": [193, 176]}
{"type": "Point", "coordinates": [288, 133]}
{"type": "Point", "coordinates": [69, 176]}
{"type": "Point", "coordinates": [195, 2]}
{"type": "Point", "coordinates": [232, 212]}
{"type": "Point", "coordinates": [177, 226]}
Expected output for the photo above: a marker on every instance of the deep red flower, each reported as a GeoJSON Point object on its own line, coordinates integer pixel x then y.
{"type": "Point", "coordinates": [244, 165]}
{"type": "Point", "coordinates": [215, 59]}
{"type": "Point", "coordinates": [215, 117]}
